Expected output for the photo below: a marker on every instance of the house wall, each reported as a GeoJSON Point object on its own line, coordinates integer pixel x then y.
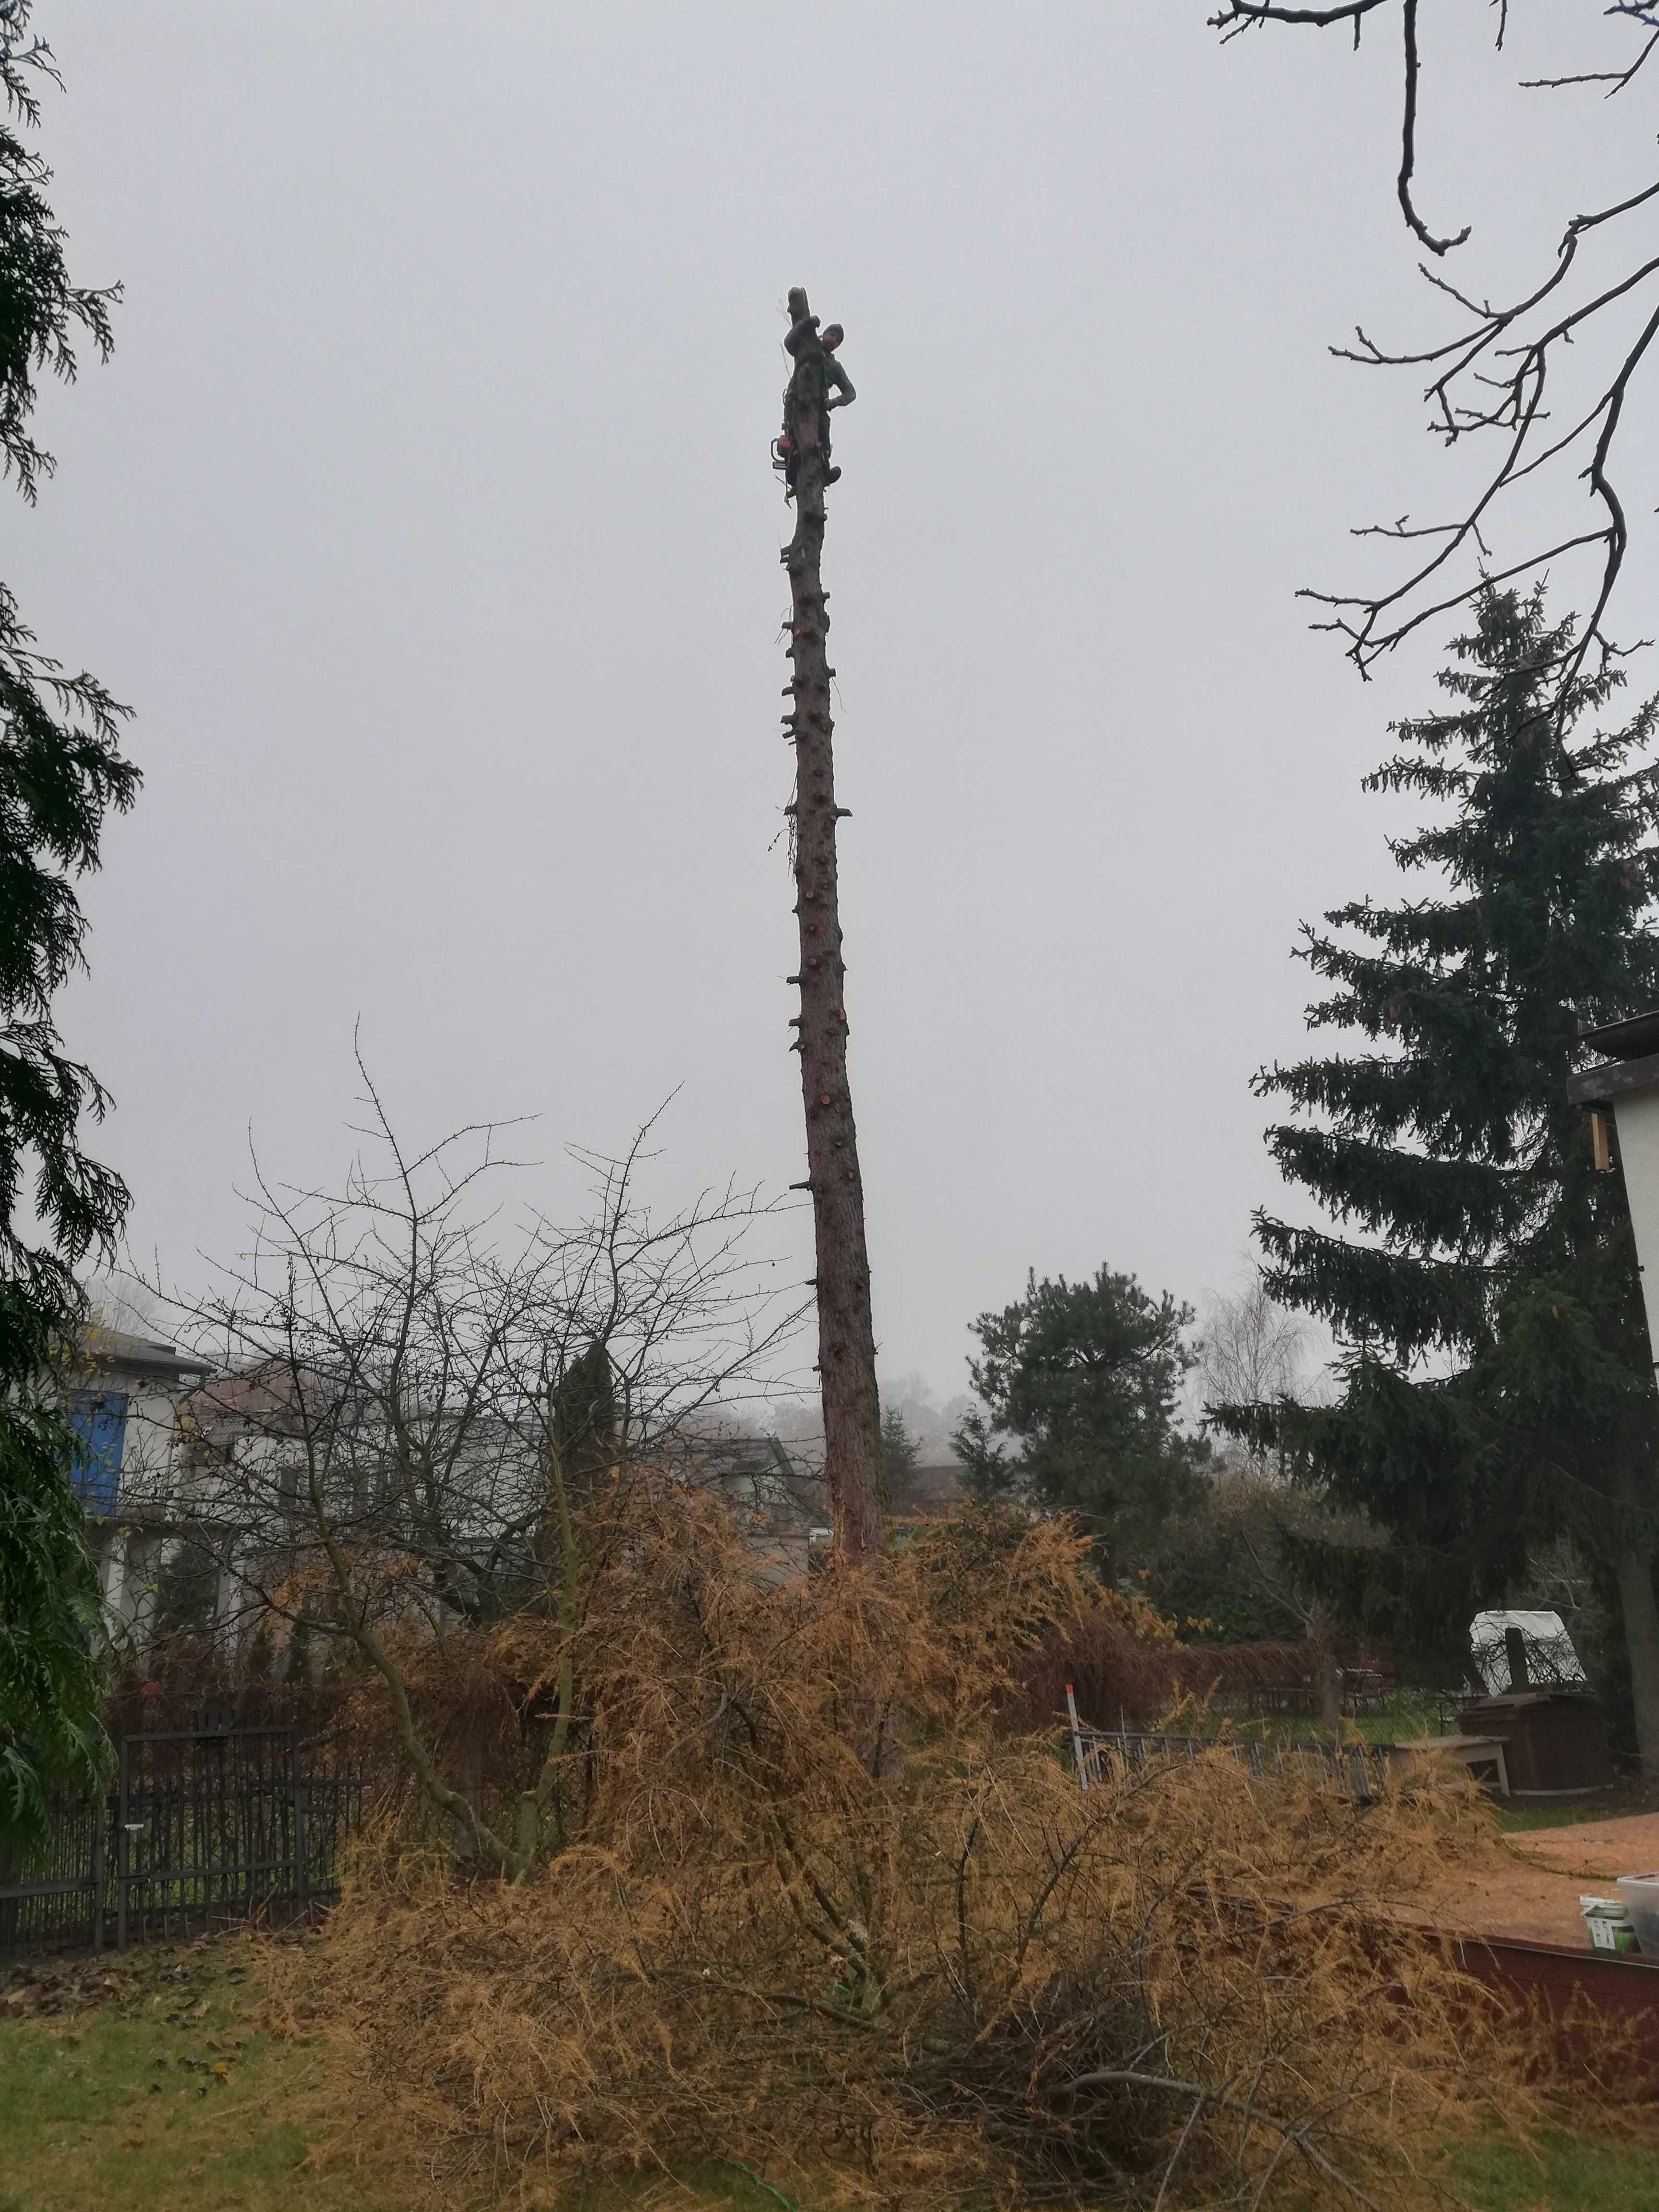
{"type": "Point", "coordinates": [130, 1545]}
{"type": "Point", "coordinates": [1637, 1117]}
{"type": "Point", "coordinates": [150, 1456]}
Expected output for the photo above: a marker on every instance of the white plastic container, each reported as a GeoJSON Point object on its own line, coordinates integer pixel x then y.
{"type": "Point", "coordinates": [1607, 1920]}
{"type": "Point", "coordinates": [1641, 1893]}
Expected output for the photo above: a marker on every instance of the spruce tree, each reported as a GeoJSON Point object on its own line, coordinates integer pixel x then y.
{"type": "Point", "coordinates": [61, 774]}
{"type": "Point", "coordinates": [900, 1454]}
{"type": "Point", "coordinates": [1496, 1383]}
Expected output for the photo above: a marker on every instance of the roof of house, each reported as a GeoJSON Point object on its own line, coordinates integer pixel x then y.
{"type": "Point", "coordinates": [268, 1396]}
{"type": "Point", "coordinates": [105, 1350]}
{"type": "Point", "coordinates": [1631, 1040]}
{"type": "Point", "coordinates": [1632, 1061]}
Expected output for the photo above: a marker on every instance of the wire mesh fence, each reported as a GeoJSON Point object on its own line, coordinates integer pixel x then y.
{"type": "Point", "coordinates": [1357, 1769]}
{"type": "Point", "coordinates": [202, 1828]}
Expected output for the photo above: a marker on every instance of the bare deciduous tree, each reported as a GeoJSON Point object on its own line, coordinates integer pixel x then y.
{"type": "Point", "coordinates": [423, 1423]}
{"type": "Point", "coordinates": [1542, 377]}
{"type": "Point", "coordinates": [1251, 1351]}
{"type": "Point", "coordinates": [1254, 1353]}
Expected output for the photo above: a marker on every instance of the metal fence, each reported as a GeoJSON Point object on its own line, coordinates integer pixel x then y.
{"type": "Point", "coordinates": [1357, 1769]}
{"type": "Point", "coordinates": [202, 1828]}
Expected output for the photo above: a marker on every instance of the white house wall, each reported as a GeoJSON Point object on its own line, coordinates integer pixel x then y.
{"type": "Point", "coordinates": [1636, 1115]}
{"type": "Point", "coordinates": [149, 1453]}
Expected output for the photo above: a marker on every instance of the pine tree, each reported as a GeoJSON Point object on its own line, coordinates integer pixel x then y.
{"type": "Point", "coordinates": [1085, 1378]}
{"type": "Point", "coordinates": [1496, 1380]}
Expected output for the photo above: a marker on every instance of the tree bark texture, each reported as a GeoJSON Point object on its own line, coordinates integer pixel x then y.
{"type": "Point", "coordinates": [847, 1351]}
{"type": "Point", "coordinates": [1633, 1566]}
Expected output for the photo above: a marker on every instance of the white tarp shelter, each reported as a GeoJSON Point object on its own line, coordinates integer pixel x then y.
{"type": "Point", "coordinates": [1551, 1659]}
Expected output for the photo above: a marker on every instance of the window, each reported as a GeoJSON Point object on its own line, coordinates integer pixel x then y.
{"type": "Point", "coordinates": [99, 1421]}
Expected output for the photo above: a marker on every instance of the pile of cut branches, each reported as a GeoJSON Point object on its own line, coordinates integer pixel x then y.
{"type": "Point", "coordinates": [821, 1916]}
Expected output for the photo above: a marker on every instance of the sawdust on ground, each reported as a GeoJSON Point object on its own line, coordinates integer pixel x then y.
{"type": "Point", "coordinates": [1531, 1889]}
{"type": "Point", "coordinates": [1597, 1850]}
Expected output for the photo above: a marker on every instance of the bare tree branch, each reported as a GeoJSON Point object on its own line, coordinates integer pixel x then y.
{"type": "Point", "coordinates": [1492, 377]}
{"type": "Point", "coordinates": [419, 1411]}
{"type": "Point", "coordinates": [1408, 144]}
{"type": "Point", "coordinates": [1241, 13]}
{"type": "Point", "coordinates": [1251, 2114]}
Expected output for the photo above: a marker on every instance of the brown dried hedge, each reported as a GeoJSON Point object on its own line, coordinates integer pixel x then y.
{"type": "Point", "coordinates": [1124, 1669]}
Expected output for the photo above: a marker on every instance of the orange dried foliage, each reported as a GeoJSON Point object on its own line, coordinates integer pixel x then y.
{"type": "Point", "coordinates": [817, 1913]}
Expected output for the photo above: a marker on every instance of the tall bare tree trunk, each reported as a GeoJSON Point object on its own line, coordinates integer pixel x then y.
{"type": "Point", "coordinates": [846, 1347]}
{"type": "Point", "coordinates": [1634, 1569]}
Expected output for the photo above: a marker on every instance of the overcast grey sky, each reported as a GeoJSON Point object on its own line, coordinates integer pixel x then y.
{"type": "Point", "coordinates": [425, 518]}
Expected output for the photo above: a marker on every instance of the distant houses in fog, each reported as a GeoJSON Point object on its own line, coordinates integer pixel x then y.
{"type": "Point", "coordinates": [155, 1438]}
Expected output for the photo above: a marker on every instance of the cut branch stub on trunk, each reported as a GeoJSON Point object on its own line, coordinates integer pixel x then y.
{"type": "Point", "coordinates": [854, 1474]}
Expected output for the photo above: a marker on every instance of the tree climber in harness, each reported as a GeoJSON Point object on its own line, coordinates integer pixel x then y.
{"type": "Point", "coordinates": [805, 343]}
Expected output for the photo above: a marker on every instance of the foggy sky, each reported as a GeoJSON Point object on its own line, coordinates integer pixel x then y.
{"type": "Point", "coordinates": [424, 517]}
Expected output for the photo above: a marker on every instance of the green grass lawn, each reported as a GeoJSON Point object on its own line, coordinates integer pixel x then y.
{"type": "Point", "coordinates": [1623, 1798]}
{"type": "Point", "coordinates": [1567, 2176]}
{"type": "Point", "coordinates": [1402, 1714]}
{"type": "Point", "coordinates": [149, 2083]}
{"type": "Point", "coordinates": [169, 2092]}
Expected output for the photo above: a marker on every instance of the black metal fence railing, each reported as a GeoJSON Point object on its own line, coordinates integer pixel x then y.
{"type": "Point", "coordinates": [1364, 1691]}
{"type": "Point", "coordinates": [46, 1899]}
{"type": "Point", "coordinates": [1357, 1769]}
{"type": "Point", "coordinates": [202, 1828]}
